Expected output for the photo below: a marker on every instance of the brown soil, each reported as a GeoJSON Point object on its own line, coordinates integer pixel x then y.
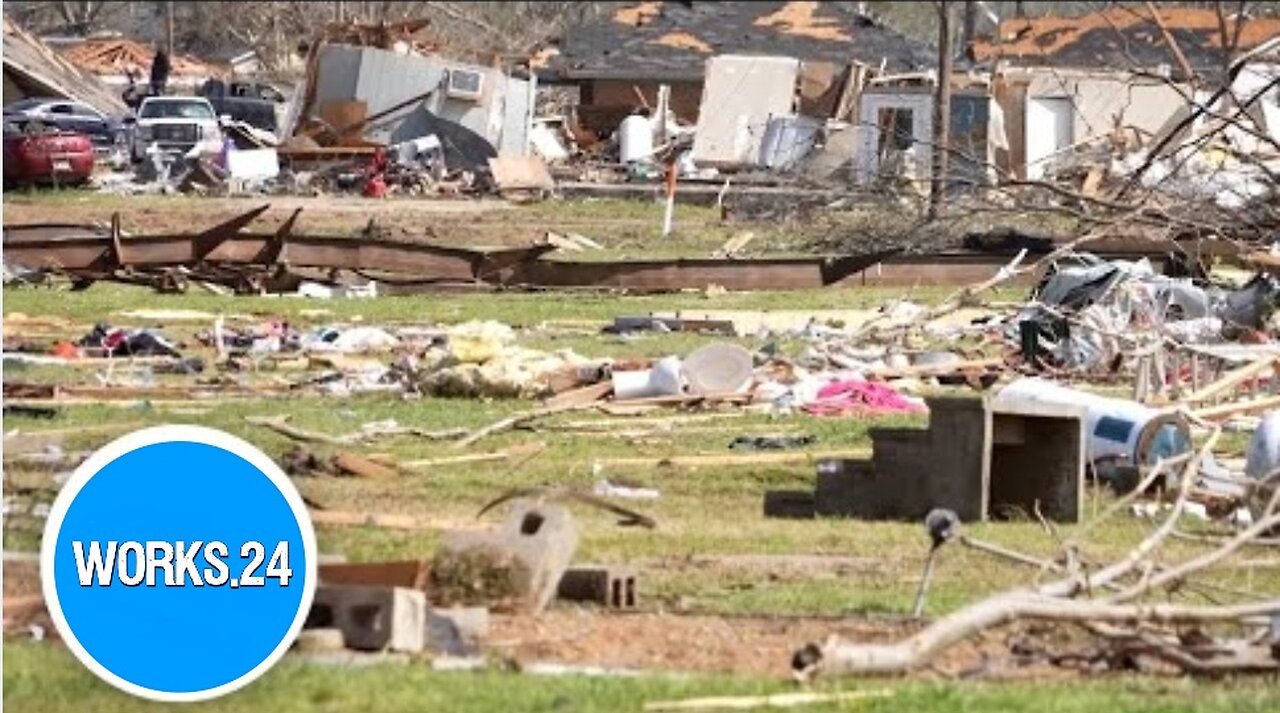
{"type": "Point", "coordinates": [473, 223]}
{"type": "Point", "coordinates": [760, 646]}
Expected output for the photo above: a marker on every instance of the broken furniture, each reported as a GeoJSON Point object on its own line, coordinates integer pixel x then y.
{"type": "Point", "coordinates": [977, 458]}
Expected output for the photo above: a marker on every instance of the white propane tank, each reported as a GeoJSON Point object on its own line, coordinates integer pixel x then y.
{"type": "Point", "coordinates": [635, 139]}
{"type": "Point", "coordinates": [1128, 430]}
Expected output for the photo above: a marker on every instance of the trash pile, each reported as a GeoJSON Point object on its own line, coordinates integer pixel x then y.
{"type": "Point", "coordinates": [1087, 313]}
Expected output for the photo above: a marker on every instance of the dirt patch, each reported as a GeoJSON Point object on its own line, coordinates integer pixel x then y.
{"type": "Point", "coordinates": [759, 646]}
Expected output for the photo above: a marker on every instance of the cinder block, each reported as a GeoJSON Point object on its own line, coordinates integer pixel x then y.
{"type": "Point", "coordinates": [319, 639]}
{"type": "Point", "coordinates": [372, 618]}
{"type": "Point", "coordinates": [611, 586]}
{"type": "Point", "coordinates": [456, 631]}
{"type": "Point", "coordinates": [538, 539]}
{"type": "Point", "coordinates": [973, 459]}
{"type": "Point", "coordinates": [793, 504]}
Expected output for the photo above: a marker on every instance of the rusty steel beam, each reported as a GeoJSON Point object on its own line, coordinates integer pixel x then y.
{"type": "Point", "coordinates": [228, 254]}
{"type": "Point", "coordinates": [694, 273]}
{"type": "Point", "coordinates": [91, 252]}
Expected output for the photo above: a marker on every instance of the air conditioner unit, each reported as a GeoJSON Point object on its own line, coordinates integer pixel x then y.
{"type": "Point", "coordinates": [464, 84]}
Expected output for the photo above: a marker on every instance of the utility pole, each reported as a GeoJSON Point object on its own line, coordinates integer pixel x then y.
{"type": "Point", "coordinates": [968, 26]}
{"type": "Point", "coordinates": [941, 113]}
{"type": "Point", "coordinates": [340, 12]}
{"type": "Point", "coordinates": [168, 21]}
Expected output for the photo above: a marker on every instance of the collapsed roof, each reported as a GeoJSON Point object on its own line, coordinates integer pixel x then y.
{"type": "Point", "coordinates": [39, 71]}
{"type": "Point", "coordinates": [1125, 38]}
{"type": "Point", "coordinates": [116, 56]}
{"type": "Point", "coordinates": [670, 41]}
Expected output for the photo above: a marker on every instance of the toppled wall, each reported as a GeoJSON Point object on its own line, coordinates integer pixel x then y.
{"type": "Point", "coordinates": [472, 126]}
{"type": "Point", "coordinates": [1091, 104]}
{"type": "Point", "coordinates": [741, 93]}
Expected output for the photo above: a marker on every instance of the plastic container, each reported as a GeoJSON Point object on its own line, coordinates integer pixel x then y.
{"type": "Point", "coordinates": [635, 139]}
{"type": "Point", "coordinates": [1117, 428]}
{"type": "Point", "coordinates": [718, 368]}
{"type": "Point", "coordinates": [661, 380]}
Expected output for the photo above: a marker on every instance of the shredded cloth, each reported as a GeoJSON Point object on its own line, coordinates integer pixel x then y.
{"type": "Point", "coordinates": [860, 397]}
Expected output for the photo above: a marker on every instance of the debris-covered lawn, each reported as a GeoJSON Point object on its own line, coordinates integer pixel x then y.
{"type": "Point", "coordinates": [723, 590]}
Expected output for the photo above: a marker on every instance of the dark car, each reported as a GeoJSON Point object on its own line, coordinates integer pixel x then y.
{"type": "Point", "coordinates": [68, 115]}
{"type": "Point", "coordinates": [36, 153]}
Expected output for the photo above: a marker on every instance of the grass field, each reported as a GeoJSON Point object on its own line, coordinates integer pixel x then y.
{"type": "Point", "coordinates": [713, 553]}
{"type": "Point", "coordinates": [46, 679]}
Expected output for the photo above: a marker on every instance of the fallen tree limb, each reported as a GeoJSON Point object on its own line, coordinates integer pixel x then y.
{"type": "Point", "coordinates": [843, 657]}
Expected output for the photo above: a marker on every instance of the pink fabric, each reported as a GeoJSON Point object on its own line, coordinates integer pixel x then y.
{"type": "Point", "coordinates": [860, 397]}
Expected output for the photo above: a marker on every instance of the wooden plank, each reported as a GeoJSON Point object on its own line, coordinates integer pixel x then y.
{"type": "Point", "coordinates": [581, 396]}
{"type": "Point", "coordinates": [734, 459]}
{"type": "Point", "coordinates": [1234, 379]}
{"type": "Point", "coordinates": [1239, 408]}
{"type": "Point", "coordinates": [520, 173]}
{"type": "Point", "coordinates": [519, 453]}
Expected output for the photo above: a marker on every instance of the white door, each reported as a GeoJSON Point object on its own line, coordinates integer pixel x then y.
{"type": "Point", "coordinates": [1048, 129]}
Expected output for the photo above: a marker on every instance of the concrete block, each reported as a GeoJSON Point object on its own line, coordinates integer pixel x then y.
{"type": "Point", "coordinates": [794, 504]}
{"type": "Point", "coordinates": [972, 459]}
{"type": "Point", "coordinates": [372, 618]}
{"type": "Point", "coordinates": [613, 587]}
{"type": "Point", "coordinates": [456, 631]}
{"type": "Point", "coordinates": [319, 639]}
{"type": "Point", "coordinates": [534, 545]}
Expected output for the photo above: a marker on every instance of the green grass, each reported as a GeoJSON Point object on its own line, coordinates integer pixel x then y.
{"type": "Point", "coordinates": [704, 513]}
{"type": "Point", "coordinates": [520, 309]}
{"type": "Point", "coordinates": [44, 679]}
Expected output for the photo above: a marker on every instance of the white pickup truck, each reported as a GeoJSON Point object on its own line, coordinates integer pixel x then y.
{"type": "Point", "coordinates": [176, 125]}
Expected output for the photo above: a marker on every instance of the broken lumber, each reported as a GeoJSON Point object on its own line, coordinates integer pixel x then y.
{"type": "Point", "coordinates": [1233, 379]}
{"type": "Point", "coordinates": [511, 422]}
{"type": "Point", "coordinates": [733, 459]}
{"type": "Point", "coordinates": [1239, 408]}
{"type": "Point", "coordinates": [581, 396]}
{"type": "Point", "coordinates": [515, 453]}
{"type": "Point", "coordinates": [390, 521]}
{"type": "Point", "coordinates": [360, 466]}
{"type": "Point", "coordinates": [280, 425]}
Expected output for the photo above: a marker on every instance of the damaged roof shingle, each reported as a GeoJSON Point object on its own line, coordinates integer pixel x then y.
{"type": "Point", "coordinates": [1124, 37]}
{"type": "Point", "coordinates": [672, 40]}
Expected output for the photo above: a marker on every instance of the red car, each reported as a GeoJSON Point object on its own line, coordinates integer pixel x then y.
{"type": "Point", "coordinates": [45, 155]}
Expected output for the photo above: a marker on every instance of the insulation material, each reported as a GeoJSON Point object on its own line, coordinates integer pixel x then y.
{"type": "Point", "coordinates": [746, 92]}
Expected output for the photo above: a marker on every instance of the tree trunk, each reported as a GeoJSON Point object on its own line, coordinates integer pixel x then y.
{"type": "Point", "coordinates": [941, 114]}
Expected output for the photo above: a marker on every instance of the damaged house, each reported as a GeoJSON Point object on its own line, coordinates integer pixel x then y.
{"type": "Point", "coordinates": [112, 58]}
{"type": "Point", "coordinates": [748, 60]}
{"type": "Point", "coordinates": [33, 69]}
{"type": "Point", "coordinates": [376, 86]}
{"type": "Point", "coordinates": [1120, 75]}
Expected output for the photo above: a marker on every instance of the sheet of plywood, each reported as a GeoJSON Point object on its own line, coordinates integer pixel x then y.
{"type": "Point", "coordinates": [820, 89]}
{"type": "Point", "coordinates": [341, 115]}
{"type": "Point", "coordinates": [738, 97]}
{"type": "Point", "coordinates": [519, 173]}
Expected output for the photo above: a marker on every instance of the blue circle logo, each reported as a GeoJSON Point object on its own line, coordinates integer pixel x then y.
{"type": "Point", "coordinates": [178, 563]}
